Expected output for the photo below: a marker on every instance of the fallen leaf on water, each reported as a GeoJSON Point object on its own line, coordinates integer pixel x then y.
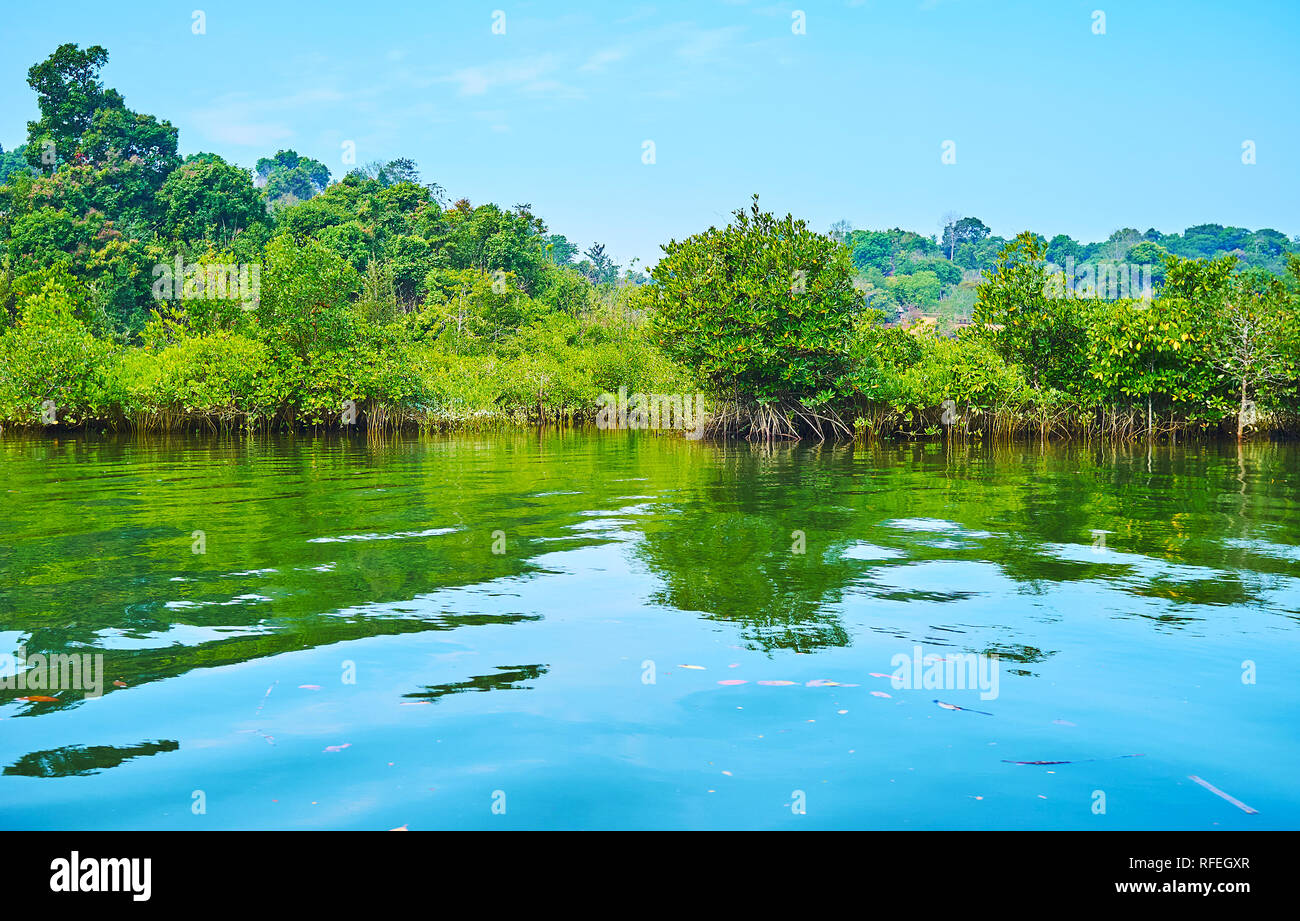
{"type": "Point", "coordinates": [734, 681]}
{"type": "Point", "coordinates": [399, 828]}
{"type": "Point", "coordinates": [821, 683]}
{"type": "Point", "coordinates": [41, 697]}
{"type": "Point", "coordinates": [728, 773]}
{"type": "Point", "coordinates": [119, 683]}
{"type": "Point", "coordinates": [880, 694]}
{"type": "Point", "coordinates": [879, 675]}
{"type": "Point", "coordinates": [699, 667]}
{"type": "Point", "coordinates": [338, 748]}
{"type": "Point", "coordinates": [841, 711]}
{"type": "Point", "coordinates": [310, 687]}
{"type": "Point", "coordinates": [776, 683]}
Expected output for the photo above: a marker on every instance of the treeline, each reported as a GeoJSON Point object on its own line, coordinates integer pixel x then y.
{"type": "Point", "coordinates": [770, 315]}
{"type": "Point", "coordinates": [903, 273]}
{"type": "Point", "coordinates": [140, 289]}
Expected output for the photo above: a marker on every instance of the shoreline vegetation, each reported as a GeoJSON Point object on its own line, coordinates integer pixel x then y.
{"type": "Point", "coordinates": [144, 292]}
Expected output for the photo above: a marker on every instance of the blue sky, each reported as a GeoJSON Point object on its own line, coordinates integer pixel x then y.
{"type": "Point", "coordinates": [1056, 128]}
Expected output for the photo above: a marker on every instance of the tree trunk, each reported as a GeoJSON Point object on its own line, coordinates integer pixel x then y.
{"type": "Point", "coordinates": [1241, 411]}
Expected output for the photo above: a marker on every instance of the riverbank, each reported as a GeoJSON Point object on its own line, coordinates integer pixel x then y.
{"type": "Point", "coordinates": [1216, 354]}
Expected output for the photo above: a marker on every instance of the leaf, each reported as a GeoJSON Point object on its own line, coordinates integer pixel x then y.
{"type": "Point", "coordinates": [41, 697]}
{"type": "Point", "coordinates": [699, 667]}
{"type": "Point", "coordinates": [338, 748]}
{"type": "Point", "coordinates": [734, 681]}
{"type": "Point", "coordinates": [776, 683]}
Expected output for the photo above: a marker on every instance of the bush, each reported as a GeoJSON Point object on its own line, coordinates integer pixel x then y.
{"type": "Point", "coordinates": [51, 364]}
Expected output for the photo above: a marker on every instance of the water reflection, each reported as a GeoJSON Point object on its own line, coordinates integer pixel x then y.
{"type": "Point", "coordinates": [315, 542]}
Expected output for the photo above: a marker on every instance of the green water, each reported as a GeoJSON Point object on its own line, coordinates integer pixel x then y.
{"type": "Point", "coordinates": [491, 632]}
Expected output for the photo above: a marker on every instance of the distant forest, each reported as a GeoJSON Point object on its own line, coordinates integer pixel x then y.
{"type": "Point", "coordinates": [145, 290]}
{"type": "Point", "coordinates": [907, 273]}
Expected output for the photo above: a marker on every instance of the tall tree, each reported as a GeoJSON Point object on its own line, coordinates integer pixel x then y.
{"type": "Point", "coordinates": [83, 121]}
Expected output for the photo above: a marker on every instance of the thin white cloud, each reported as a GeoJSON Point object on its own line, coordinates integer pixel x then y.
{"type": "Point", "coordinates": [261, 134]}
{"type": "Point", "coordinates": [602, 59]}
{"type": "Point", "coordinates": [530, 75]}
{"type": "Point", "coordinates": [707, 43]}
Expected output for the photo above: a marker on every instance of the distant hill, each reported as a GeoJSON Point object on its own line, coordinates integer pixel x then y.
{"type": "Point", "coordinates": [901, 270]}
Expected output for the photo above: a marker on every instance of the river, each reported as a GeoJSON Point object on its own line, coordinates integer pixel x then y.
{"type": "Point", "coordinates": [620, 630]}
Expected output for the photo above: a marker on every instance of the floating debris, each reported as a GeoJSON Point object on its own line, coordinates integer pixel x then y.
{"type": "Point", "coordinates": [265, 696]}
{"type": "Point", "coordinates": [948, 706]}
{"type": "Point", "coordinates": [1076, 761]}
{"type": "Point", "coordinates": [1217, 792]}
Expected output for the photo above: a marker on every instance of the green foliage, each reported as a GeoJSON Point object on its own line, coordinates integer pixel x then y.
{"type": "Point", "coordinates": [83, 121]}
{"type": "Point", "coordinates": [762, 308]}
{"type": "Point", "coordinates": [1026, 324]}
{"type": "Point", "coordinates": [49, 355]}
{"type": "Point", "coordinates": [1153, 350]}
{"type": "Point", "coordinates": [375, 291]}
{"type": "Point", "coordinates": [207, 199]}
{"type": "Point", "coordinates": [289, 178]}
{"type": "Point", "coordinates": [919, 290]}
{"type": "Point", "coordinates": [221, 376]}
{"type": "Point", "coordinates": [306, 297]}
{"type": "Point", "coordinates": [13, 162]}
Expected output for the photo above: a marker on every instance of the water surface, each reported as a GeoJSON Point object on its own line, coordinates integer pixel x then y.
{"type": "Point", "coordinates": [425, 632]}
